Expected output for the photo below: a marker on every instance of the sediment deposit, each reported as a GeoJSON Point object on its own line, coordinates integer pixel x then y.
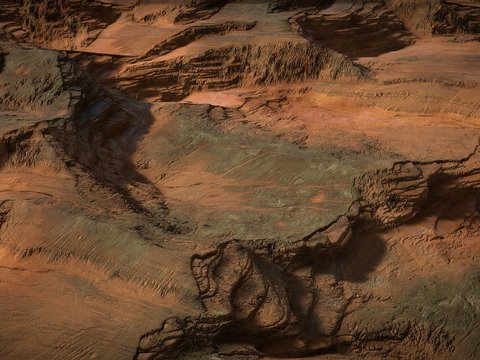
{"type": "Point", "coordinates": [240, 179]}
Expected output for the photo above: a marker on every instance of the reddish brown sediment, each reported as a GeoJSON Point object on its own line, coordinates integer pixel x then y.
{"type": "Point", "coordinates": [239, 179]}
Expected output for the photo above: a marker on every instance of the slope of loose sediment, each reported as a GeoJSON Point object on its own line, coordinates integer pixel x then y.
{"type": "Point", "coordinates": [239, 179]}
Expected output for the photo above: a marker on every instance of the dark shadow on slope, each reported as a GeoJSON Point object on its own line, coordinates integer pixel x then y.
{"type": "Point", "coordinates": [362, 255]}
{"type": "Point", "coordinates": [104, 137]}
{"type": "Point", "coordinates": [285, 5]}
{"type": "Point", "coordinates": [357, 34]}
{"type": "Point", "coordinates": [2, 60]}
{"type": "Point", "coordinates": [449, 208]}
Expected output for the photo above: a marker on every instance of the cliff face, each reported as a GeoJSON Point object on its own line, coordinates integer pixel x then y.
{"type": "Point", "coordinates": [437, 17]}
{"type": "Point", "coordinates": [230, 67]}
{"type": "Point", "coordinates": [239, 179]}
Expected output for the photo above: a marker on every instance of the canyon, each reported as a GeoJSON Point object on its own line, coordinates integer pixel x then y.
{"type": "Point", "coordinates": [263, 179]}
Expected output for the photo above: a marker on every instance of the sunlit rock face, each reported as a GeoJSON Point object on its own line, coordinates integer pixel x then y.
{"type": "Point", "coordinates": [239, 179]}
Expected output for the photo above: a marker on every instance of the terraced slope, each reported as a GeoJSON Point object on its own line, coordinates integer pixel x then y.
{"type": "Point", "coordinates": [239, 179]}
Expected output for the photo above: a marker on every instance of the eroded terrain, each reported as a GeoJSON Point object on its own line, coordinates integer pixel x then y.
{"type": "Point", "coordinates": [239, 179]}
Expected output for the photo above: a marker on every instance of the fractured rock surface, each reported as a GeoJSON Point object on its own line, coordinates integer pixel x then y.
{"type": "Point", "coordinates": [239, 179]}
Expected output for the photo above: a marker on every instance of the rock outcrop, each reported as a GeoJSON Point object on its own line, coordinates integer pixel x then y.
{"type": "Point", "coordinates": [437, 17]}
{"type": "Point", "coordinates": [230, 67]}
{"type": "Point", "coordinates": [239, 179]}
{"type": "Point", "coordinates": [261, 295]}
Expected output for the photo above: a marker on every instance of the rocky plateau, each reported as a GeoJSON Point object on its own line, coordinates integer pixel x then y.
{"type": "Point", "coordinates": [249, 179]}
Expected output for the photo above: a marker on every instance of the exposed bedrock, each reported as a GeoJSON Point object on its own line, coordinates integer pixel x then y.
{"type": "Point", "coordinates": [230, 67]}
{"type": "Point", "coordinates": [81, 128]}
{"type": "Point", "coordinates": [221, 180]}
{"type": "Point", "coordinates": [97, 143]}
{"type": "Point", "coordinates": [454, 18]}
{"type": "Point", "coordinates": [399, 194]}
{"type": "Point", "coordinates": [437, 17]}
{"type": "Point", "coordinates": [283, 5]}
{"type": "Point", "coordinates": [294, 300]}
{"type": "Point", "coordinates": [59, 24]}
{"type": "Point", "coordinates": [36, 79]}
{"type": "Point", "coordinates": [197, 9]}
{"type": "Point", "coordinates": [182, 12]}
{"type": "Point", "coordinates": [381, 31]}
{"type": "Point", "coordinates": [193, 33]}
{"type": "Point", "coordinates": [43, 16]}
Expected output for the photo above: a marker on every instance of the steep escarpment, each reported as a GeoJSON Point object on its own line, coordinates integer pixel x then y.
{"type": "Point", "coordinates": [456, 18]}
{"type": "Point", "coordinates": [97, 144]}
{"type": "Point", "coordinates": [195, 9]}
{"type": "Point", "coordinates": [193, 33]}
{"type": "Point", "coordinates": [265, 296]}
{"type": "Point", "coordinates": [59, 24]}
{"type": "Point", "coordinates": [283, 5]}
{"type": "Point", "coordinates": [48, 17]}
{"type": "Point", "coordinates": [403, 191]}
{"type": "Point", "coordinates": [36, 79]}
{"type": "Point", "coordinates": [230, 67]}
{"type": "Point", "coordinates": [177, 11]}
{"type": "Point", "coordinates": [437, 17]}
{"type": "Point", "coordinates": [239, 179]}
{"type": "Point", "coordinates": [381, 31]}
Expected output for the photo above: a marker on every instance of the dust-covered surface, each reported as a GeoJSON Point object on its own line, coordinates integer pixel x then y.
{"type": "Point", "coordinates": [239, 179]}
